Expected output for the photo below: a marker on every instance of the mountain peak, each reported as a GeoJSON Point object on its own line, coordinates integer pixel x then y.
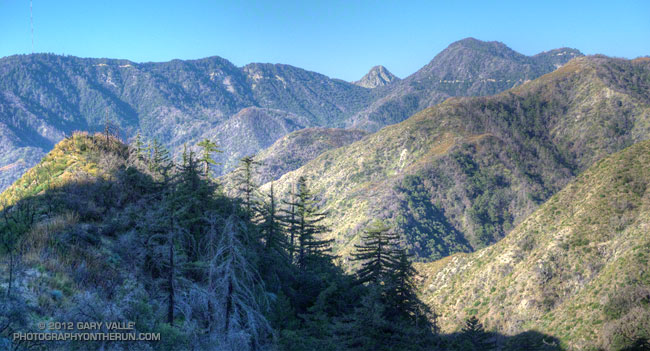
{"type": "Point", "coordinates": [377, 76]}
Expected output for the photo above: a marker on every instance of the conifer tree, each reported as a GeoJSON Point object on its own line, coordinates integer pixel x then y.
{"type": "Point", "coordinates": [160, 163]}
{"type": "Point", "coordinates": [403, 296]}
{"type": "Point", "coordinates": [274, 238]}
{"type": "Point", "coordinates": [377, 254]}
{"type": "Point", "coordinates": [475, 336]}
{"type": "Point", "coordinates": [235, 289]}
{"type": "Point", "coordinates": [208, 147]}
{"type": "Point", "coordinates": [367, 327]}
{"type": "Point", "coordinates": [167, 257]}
{"type": "Point", "coordinates": [245, 184]}
{"type": "Point", "coordinates": [290, 223]}
{"type": "Point", "coordinates": [159, 160]}
{"type": "Point", "coordinates": [138, 151]}
{"type": "Point", "coordinates": [307, 227]}
{"type": "Point", "coordinates": [193, 197]}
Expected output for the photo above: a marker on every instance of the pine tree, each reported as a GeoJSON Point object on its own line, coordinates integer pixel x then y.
{"type": "Point", "coordinates": [377, 254]}
{"type": "Point", "coordinates": [475, 336]}
{"type": "Point", "coordinates": [367, 327]}
{"type": "Point", "coordinates": [403, 297]}
{"type": "Point", "coordinates": [138, 149]}
{"type": "Point", "coordinates": [245, 184]}
{"type": "Point", "coordinates": [235, 289]}
{"type": "Point", "coordinates": [290, 222]}
{"type": "Point", "coordinates": [159, 160]}
{"type": "Point", "coordinates": [166, 256]}
{"type": "Point", "coordinates": [193, 197]}
{"type": "Point", "coordinates": [307, 227]}
{"type": "Point", "coordinates": [274, 238]}
{"type": "Point", "coordinates": [209, 147]}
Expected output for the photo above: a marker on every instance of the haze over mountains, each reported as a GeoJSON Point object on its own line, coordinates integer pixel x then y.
{"type": "Point", "coordinates": [520, 184]}
{"type": "Point", "coordinates": [44, 97]}
{"type": "Point", "coordinates": [468, 67]}
{"type": "Point", "coordinates": [460, 175]}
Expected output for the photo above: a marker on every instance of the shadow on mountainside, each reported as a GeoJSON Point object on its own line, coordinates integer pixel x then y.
{"type": "Point", "coordinates": [76, 233]}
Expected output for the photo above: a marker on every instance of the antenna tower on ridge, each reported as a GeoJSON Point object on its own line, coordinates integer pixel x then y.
{"type": "Point", "coordinates": [31, 21]}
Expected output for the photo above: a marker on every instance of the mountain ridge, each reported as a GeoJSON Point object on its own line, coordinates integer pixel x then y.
{"type": "Point", "coordinates": [576, 268]}
{"type": "Point", "coordinates": [467, 67]}
{"type": "Point", "coordinates": [430, 174]}
{"type": "Point", "coordinates": [44, 97]}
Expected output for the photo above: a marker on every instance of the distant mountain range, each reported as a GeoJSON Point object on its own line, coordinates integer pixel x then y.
{"type": "Point", "coordinates": [44, 97]}
{"type": "Point", "coordinates": [460, 175]}
{"type": "Point", "coordinates": [468, 67]}
{"type": "Point", "coordinates": [520, 184]}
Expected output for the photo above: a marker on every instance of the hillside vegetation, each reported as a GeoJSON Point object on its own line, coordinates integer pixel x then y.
{"type": "Point", "coordinates": [460, 175]}
{"type": "Point", "coordinates": [468, 67]}
{"type": "Point", "coordinates": [99, 231]}
{"type": "Point", "coordinates": [296, 149]}
{"type": "Point", "coordinates": [577, 268]}
{"type": "Point", "coordinates": [44, 97]}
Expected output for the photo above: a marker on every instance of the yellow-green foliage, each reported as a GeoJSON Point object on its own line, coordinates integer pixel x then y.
{"type": "Point", "coordinates": [532, 140]}
{"type": "Point", "coordinates": [576, 269]}
{"type": "Point", "coordinates": [74, 158]}
{"type": "Point", "coordinates": [77, 160]}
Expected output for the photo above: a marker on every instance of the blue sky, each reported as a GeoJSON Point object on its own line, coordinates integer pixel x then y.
{"type": "Point", "coordinates": [341, 39]}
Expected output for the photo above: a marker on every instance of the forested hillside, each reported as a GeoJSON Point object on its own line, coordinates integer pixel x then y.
{"type": "Point", "coordinates": [468, 67]}
{"type": "Point", "coordinates": [460, 175]}
{"type": "Point", "coordinates": [101, 231]}
{"type": "Point", "coordinates": [489, 201]}
{"type": "Point", "coordinates": [296, 149]}
{"type": "Point", "coordinates": [44, 97]}
{"type": "Point", "coordinates": [576, 269]}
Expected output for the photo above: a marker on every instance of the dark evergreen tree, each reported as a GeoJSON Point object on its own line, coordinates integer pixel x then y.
{"type": "Point", "coordinates": [138, 149]}
{"type": "Point", "coordinates": [193, 197]}
{"type": "Point", "coordinates": [159, 161]}
{"type": "Point", "coordinates": [367, 327]}
{"type": "Point", "coordinates": [271, 226]}
{"type": "Point", "coordinates": [474, 337]}
{"type": "Point", "coordinates": [245, 184]}
{"type": "Point", "coordinates": [208, 147]}
{"type": "Point", "coordinates": [166, 256]}
{"type": "Point", "coordinates": [377, 254]}
{"type": "Point", "coordinates": [403, 293]}
{"type": "Point", "coordinates": [290, 223]}
{"type": "Point", "coordinates": [307, 227]}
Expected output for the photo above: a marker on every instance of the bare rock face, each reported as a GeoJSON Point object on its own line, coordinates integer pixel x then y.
{"type": "Point", "coordinates": [378, 76]}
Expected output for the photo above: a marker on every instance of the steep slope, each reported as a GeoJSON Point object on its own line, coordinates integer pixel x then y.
{"type": "Point", "coordinates": [577, 268]}
{"type": "Point", "coordinates": [250, 130]}
{"type": "Point", "coordinates": [99, 232]}
{"type": "Point", "coordinates": [460, 175]}
{"type": "Point", "coordinates": [296, 149]}
{"type": "Point", "coordinates": [468, 67]}
{"type": "Point", "coordinates": [43, 97]}
{"type": "Point", "coordinates": [378, 76]}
